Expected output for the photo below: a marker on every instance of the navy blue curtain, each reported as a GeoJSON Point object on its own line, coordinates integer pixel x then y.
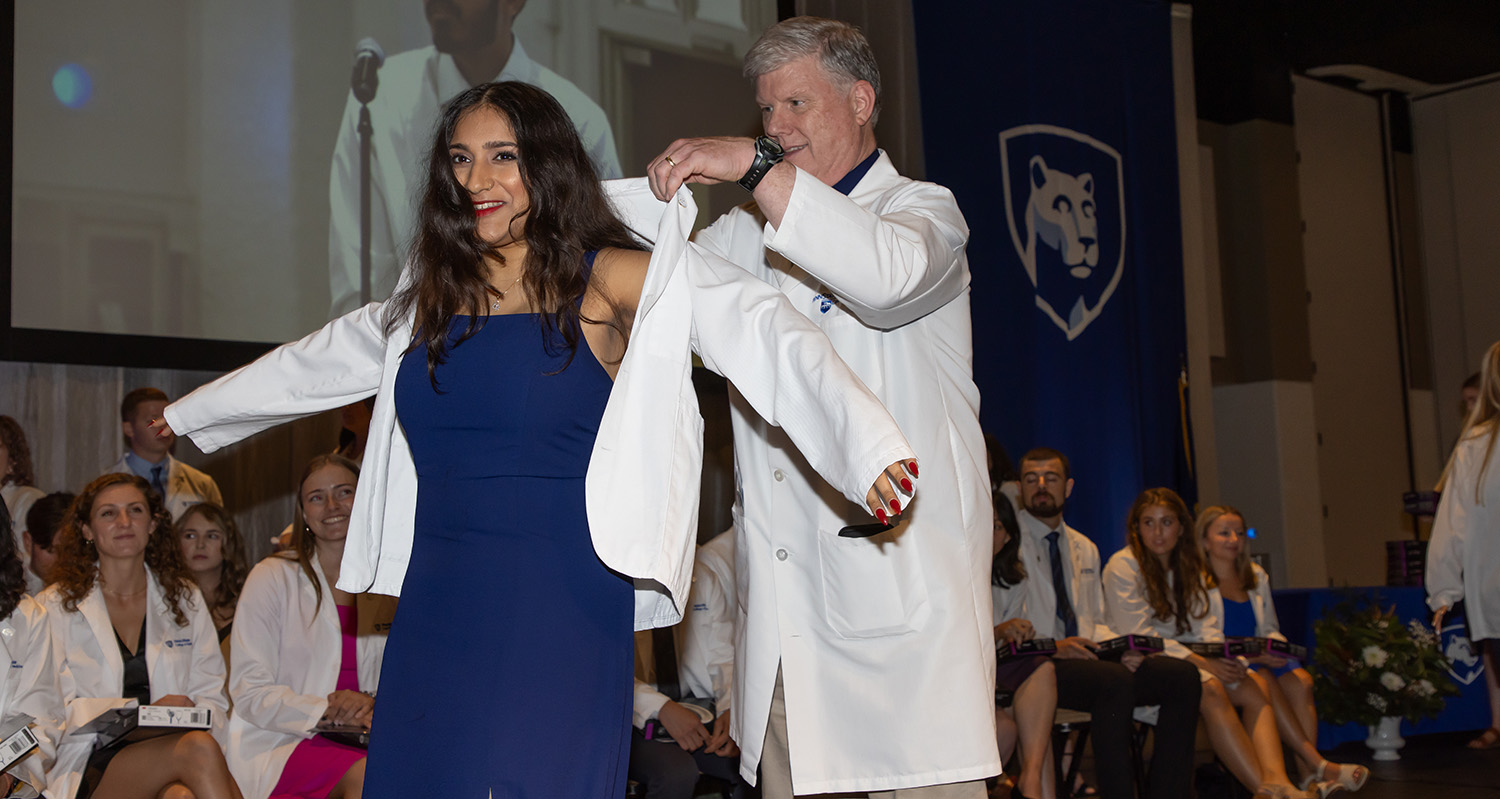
{"type": "Point", "coordinates": [1053, 123]}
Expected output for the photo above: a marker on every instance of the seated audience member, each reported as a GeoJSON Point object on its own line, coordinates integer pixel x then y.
{"type": "Point", "coordinates": [29, 687]}
{"type": "Point", "coordinates": [705, 670]}
{"type": "Point", "coordinates": [1064, 601]}
{"type": "Point", "coordinates": [214, 555]}
{"type": "Point", "coordinates": [42, 523]}
{"type": "Point", "coordinates": [18, 489]}
{"type": "Point", "coordinates": [1239, 596]}
{"type": "Point", "coordinates": [354, 431]}
{"type": "Point", "coordinates": [128, 623]}
{"type": "Point", "coordinates": [1154, 586]}
{"type": "Point", "coordinates": [307, 655]}
{"type": "Point", "coordinates": [149, 456]}
{"type": "Point", "coordinates": [1030, 680]}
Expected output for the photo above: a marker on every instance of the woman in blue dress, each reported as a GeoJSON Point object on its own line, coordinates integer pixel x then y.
{"type": "Point", "coordinates": [508, 668]}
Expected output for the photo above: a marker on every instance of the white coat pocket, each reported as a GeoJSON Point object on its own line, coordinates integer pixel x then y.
{"type": "Point", "coordinates": [873, 587]}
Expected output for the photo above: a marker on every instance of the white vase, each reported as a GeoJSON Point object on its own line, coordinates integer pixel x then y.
{"type": "Point", "coordinates": [1385, 738]}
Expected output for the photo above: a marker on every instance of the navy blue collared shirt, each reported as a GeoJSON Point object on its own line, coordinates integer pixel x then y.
{"type": "Point", "coordinates": [847, 183]}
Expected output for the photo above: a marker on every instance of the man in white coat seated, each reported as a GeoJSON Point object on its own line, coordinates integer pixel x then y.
{"type": "Point", "coordinates": [703, 649]}
{"type": "Point", "coordinates": [866, 660]}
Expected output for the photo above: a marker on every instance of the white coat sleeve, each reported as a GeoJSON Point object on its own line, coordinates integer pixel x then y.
{"type": "Point", "coordinates": [1450, 529]}
{"type": "Point", "coordinates": [648, 703]}
{"type": "Point", "coordinates": [343, 219]}
{"type": "Point", "coordinates": [255, 644]}
{"type": "Point", "coordinates": [1269, 624]}
{"type": "Point", "coordinates": [707, 641]}
{"type": "Point", "coordinates": [36, 692]}
{"type": "Point", "coordinates": [786, 368]}
{"type": "Point", "coordinates": [206, 688]}
{"type": "Point", "coordinates": [888, 269]}
{"type": "Point", "coordinates": [339, 364]}
{"type": "Point", "coordinates": [1125, 598]}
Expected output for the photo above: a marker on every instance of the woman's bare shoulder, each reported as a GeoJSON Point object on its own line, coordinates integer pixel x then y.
{"type": "Point", "coordinates": [622, 273]}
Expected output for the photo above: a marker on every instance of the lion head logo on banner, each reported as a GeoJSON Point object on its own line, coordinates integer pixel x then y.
{"type": "Point", "coordinates": [1464, 664]}
{"type": "Point", "coordinates": [1065, 203]}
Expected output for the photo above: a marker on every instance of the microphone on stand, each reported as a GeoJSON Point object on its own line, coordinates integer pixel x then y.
{"type": "Point", "coordinates": [367, 60]}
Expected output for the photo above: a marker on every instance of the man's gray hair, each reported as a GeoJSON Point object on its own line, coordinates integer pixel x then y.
{"type": "Point", "coordinates": [840, 47]}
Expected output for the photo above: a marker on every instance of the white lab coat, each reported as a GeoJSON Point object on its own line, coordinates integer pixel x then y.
{"type": "Point", "coordinates": [181, 660]}
{"type": "Point", "coordinates": [885, 645]}
{"type": "Point", "coordinates": [1131, 614]}
{"type": "Point", "coordinates": [1085, 591]}
{"type": "Point", "coordinates": [1266, 623]}
{"type": "Point", "coordinates": [287, 648]}
{"type": "Point", "coordinates": [642, 485]}
{"type": "Point", "coordinates": [1463, 559]}
{"type": "Point", "coordinates": [186, 486]}
{"type": "Point", "coordinates": [30, 686]}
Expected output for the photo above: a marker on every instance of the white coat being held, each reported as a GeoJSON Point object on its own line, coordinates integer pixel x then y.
{"type": "Point", "coordinates": [180, 659]}
{"type": "Point", "coordinates": [286, 646]}
{"type": "Point", "coordinates": [1463, 560]}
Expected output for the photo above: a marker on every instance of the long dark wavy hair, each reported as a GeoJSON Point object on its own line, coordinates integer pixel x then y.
{"type": "Point", "coordinates": [12, 573]}
{"type": "Point", "coordinates": [78, 560]}
{"type": "Point", "coordinates": [304, 543]}
{"type": "Point", "coordinates": [1006, 568]}
{"type": "Point", "coordinates": [568, 216]}
{"type": "Point", "coordinates": [1186, 598]}
{"type": "Point", "coordinates": [14, 439]}
{"type": "Point", "coordinates": [235, 565]}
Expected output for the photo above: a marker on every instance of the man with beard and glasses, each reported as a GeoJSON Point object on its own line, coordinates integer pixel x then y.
{"type": "Point", "coordinates": [472, 43]}
{"type": "Point", "coordinates": [1065, 601]}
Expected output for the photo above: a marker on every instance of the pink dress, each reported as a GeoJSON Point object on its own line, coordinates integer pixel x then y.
{"type": "Point", "coordinates": [317, 764]}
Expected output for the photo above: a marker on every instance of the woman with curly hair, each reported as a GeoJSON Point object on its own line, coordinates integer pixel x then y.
{"type": "Point", "coordinates": [30, 688]}
{"type": "Point", "coordinates": [1154, 586]}
{"type": "Point", "coordinates": [18, 489]}
{"type": "Point", "coordinates": [214, 555]}
{"type": "Point", "coordinates": [128, 623]}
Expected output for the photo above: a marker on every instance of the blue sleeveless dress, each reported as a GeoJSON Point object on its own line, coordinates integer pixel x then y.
{"type": "Point", "coordinates": [508, 672]}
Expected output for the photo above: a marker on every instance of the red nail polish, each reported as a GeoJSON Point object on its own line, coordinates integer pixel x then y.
{"type": "Point", "coordinates": [895, 507]}
{"type": "Point", "coordinates": [913, 467]}
{"type": "Point", "coordinates": [906, 485]}
{"type": "Point", "coordinates": [880, 514]}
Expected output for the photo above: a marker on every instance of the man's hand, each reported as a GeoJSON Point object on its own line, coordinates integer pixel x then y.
{"type": "Point", "coordinates": [1076, 648]}
{"type": "Point", "coordinates": [683, 725]}
{"type": "Point", "coordinates": [706, 160]}
{"type": "Point", "coordinates": [720, 743]}
{"type": "Point", "coordinates": [1014, 631]}
{"type": "Point", "coordinates": [1132, 659]}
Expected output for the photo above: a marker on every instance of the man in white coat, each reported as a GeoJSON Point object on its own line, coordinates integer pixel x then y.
{"type": "Point", "coordinates": [866, 657]}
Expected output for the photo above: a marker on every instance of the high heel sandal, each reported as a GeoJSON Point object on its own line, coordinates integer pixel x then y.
{"type": "Point", "coordinates": [1350, 776]}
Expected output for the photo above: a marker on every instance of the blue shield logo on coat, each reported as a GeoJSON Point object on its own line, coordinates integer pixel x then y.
{"type": "Point", "coordinates": [1065, 204]}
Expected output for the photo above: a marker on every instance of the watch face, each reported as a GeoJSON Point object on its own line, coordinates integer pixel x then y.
{"type": "Point", "coordinates": [769, 147]}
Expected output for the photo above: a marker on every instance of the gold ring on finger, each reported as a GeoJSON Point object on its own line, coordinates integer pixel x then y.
{"type": "Point", "coordinates": [670, 161]}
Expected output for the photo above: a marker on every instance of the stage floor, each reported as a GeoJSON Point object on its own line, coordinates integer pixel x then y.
{"type": "Point", "coordinates": [1436, 766]}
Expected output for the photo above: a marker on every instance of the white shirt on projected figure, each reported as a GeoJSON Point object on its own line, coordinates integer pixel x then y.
{"type": "Point", "coordinates": [472, 44]}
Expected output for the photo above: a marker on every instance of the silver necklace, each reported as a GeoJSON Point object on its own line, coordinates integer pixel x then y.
{"type": "Point", "coordinates": [500, 295]}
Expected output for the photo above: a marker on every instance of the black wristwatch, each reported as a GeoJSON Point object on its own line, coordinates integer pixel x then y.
{"type": "Point", "coordinates": [767, 154]}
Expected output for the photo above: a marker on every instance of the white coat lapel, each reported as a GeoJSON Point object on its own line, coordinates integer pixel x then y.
{"type": "Point", "coordinates": [94, 611]}
{"type": "Point", "coordinates": [159, 630]}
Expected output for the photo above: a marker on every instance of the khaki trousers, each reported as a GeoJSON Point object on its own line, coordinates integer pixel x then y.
{"type": "Point", "coordinates": [776, 766]}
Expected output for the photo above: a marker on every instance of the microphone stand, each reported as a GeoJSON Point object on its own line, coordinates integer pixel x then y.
{"type": "Point", "coordinates": [366, 130]}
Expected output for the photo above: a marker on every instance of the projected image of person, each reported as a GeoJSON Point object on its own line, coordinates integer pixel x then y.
{"type": "Point", "coordinates": [472, 43]}
{"type": "Point", "coordinates": [496, 368]}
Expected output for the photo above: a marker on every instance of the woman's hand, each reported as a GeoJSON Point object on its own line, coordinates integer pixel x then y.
{"type": "Point", "coordinates": [161, 428]}
{"type": "Point", "coordinates": [349, 709]}
{"type": "Point", "coordinates": [174, 700]}
{"type": "Point", "coordinates": [1014, 631]}
{"type": "Point", "coordinates": [1437, 618]}
{"type": "Point", "coordinates": [1229, 672]}
{"type": "Point", "coordinates": [1270, 659]}
{"type": "Point", "coordinates": [882, 498]}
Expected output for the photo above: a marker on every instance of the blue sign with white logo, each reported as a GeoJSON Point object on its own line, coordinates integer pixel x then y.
{"type": "Point", "coordinates": [1053, 122]}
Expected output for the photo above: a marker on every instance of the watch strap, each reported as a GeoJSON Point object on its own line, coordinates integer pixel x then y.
{"type": "Point", "coordinates": [767, 155]}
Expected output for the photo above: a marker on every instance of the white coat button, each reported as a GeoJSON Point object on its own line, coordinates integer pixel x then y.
{"type": "Point", "coordinates": [781, 554]}
{"type": "Point", "coordinates": [779, 475]}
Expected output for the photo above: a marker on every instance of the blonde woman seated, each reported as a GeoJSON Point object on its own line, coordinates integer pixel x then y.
{"type": "Point", "coordinates": [1239, 596]}
{"type": "Point", "coordinates": [128, 623]}
{"type": "Point", "coordinates": [1154, 586]}
{"type": "Point", "coordinates": [1030, 680]}
{"type": "Point", "coordinates": [305, 653]}
{"type": "Point", "coordinates": [29, 687]}
{"type": "Point", "coordinates": [214, 555]}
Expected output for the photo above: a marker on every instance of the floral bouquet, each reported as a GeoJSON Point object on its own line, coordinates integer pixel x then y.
{"type": "Point", "coordinates": [1369, 665]}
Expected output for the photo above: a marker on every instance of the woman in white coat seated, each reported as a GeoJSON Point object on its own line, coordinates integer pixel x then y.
{"type": "Point", "coordinates": [1464, 555]}
{"type": "Point", "coordinates": [1239, 596]}
{"type": "Point", "coordinates": [1154, 586]}
{"type": "Point", "coordinates": [29, 687]}
{"type": "Point", "coordinates": [305, 653]}
{"type": "Point", "coordinates": [214, 554]}
{"type": "Point", "coordinates": [127, 623]}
